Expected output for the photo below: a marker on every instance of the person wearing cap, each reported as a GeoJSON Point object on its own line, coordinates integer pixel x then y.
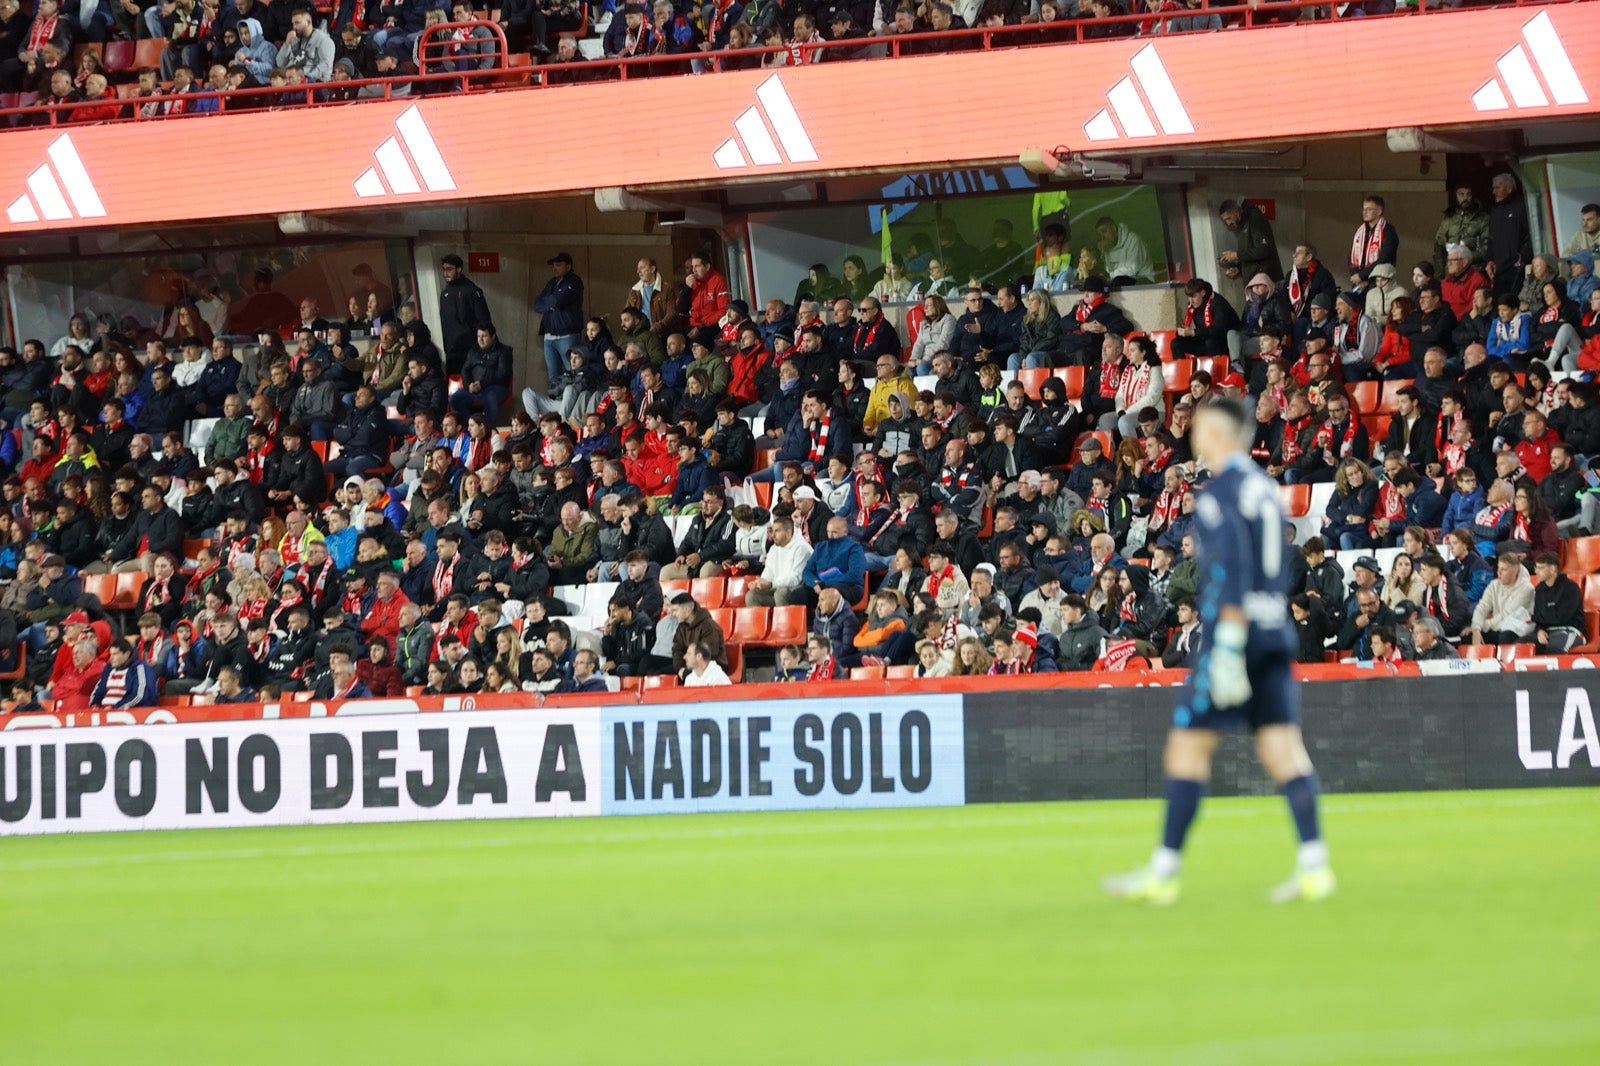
{"type": "Point", "coordinates": [1255, 249]}
{"type": "Point", "coordinates": [1207, 321]}
{"type": "Point", "coordinates": [1355, 337]}
{"type": "Point", "coordinates": [1091, 461]}
{"type": "Point", "coordinates": [1046, 597]}
{"type": "Point", "coordinates": [560, 309]}
{"type": "Point", "coordinates": [1090, 320]}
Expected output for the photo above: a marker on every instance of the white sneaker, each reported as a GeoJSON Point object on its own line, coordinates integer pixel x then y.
{"type": "Point", "coordinates": [1312, 886]}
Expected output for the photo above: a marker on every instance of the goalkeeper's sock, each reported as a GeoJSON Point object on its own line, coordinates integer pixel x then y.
{"type": "Point", "coordinates": [1183, 803]}
{"type": "Point", "coordinates": [1301, 792]}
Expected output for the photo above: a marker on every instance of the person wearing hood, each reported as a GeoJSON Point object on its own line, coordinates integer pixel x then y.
{"type": "Point", "coordinates": [1466, 223]}
{"type": "Point", "coordinates": [1142, 616]}
{"type": "Point", "coordinates": [891, 378]}
{"type": "Point", "coordinates": [255, 53]}
{"type": "Point", "coordinates": [899, 430]}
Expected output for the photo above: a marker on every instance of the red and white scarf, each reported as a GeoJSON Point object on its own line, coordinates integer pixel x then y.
{"type": "Point", "coordinates": [1291, 439]}
{"type": "Point", "coordinates": [819, 431]}
{"type": "Point", "coordinates": [826, 670]}
{"type": "Point", "coordinates": [41, 32]}
{"type": "Point", "coordinates": [1205, 314]}
{"type": "Point", "coordinates": [957, 477]}
{"type": "Point", "coordinates": [444, 579]}
{"type": "Point", "coordinates": [938, 579]}
{"type": "Point", "coordinates": [1298, 289]}
{"type": "Point", "coordinates": [1168, 506]}
{"type": "Point", "coordinates": [1086, 306]}
{"type": "Point", "coordinates": [803, 52]}
{"type": "Point", "coordinates": [1111, 379]}
{"type": "Point", "coordinates": [1346, 443]}
{"type": "Point", "coordinates": [1368, 242]}
{"type": "Point", "coordinates": [1436, 601]}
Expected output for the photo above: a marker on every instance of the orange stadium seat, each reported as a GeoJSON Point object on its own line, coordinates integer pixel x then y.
{"type": "Point", "coordinates": [1031, 380]}
{"type": "Point", "coordinates": [708, 592]}
{"type": "Point", "coordinates": [899, 672]}
{"type": "Point", "coordinates": [788, 626]}
{"type": "Point", "coordinates": [102, 587]}
{"type": "Point", "coordinates": [147, 53]}
{"type": "Point", "coordinates": [1364, 394]}
{"type": "Point", "coordinates": [868, 673]}
{"type": "Point", "coordinates": [117, 56]}
{"type": "Point", "coordinates": [723, 616]}
{"type": "Point", "coordinates": [1073, 377]}
{"type": "Point", "coordinates": [1296, 500]}
{"type": "Point", "coordinates": [1581, 555]}
{"type": "Point", "coordinates": [1178, 372]}
{"type": "Point", "coordinates": [736, 586]}
{"type": "Point", "coordinates": [750, 624]}
{"type": "Point", "coordinates": [1389, 398]}
{"type": "Point", "coordinates": [659, 681]}
{"type": "Point", "coordinates": [1163, 342]}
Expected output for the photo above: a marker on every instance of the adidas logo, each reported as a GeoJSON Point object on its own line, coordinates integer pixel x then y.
{"type": "Point", "coordinates": [752, 143]}
{"type": "Point", "coordinates": [395, 175]}
{"type": "Point", "coordinates": [1516, 73]}
{"type": "Point", "coordinates": [1150, 77]}
{"type": "Point", "coordinates": [45, 199]}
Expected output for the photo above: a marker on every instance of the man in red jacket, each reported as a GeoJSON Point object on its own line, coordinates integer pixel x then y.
{"type": "Point", "coordinates": [383, 620]}
{"type": "Point", "coordinates": [1537, 440]}
{"type": "Point", "coordinates": [709, 292]}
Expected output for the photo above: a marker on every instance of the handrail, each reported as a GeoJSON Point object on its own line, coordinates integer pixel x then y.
{"type": "Point", "coordinates": [985, 38]}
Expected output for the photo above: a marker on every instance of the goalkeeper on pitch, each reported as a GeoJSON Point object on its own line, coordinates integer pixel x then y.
{"type": "Point", "coordinates": [1244, 673]}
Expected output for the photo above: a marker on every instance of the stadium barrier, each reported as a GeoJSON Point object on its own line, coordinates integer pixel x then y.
{"type": "Point", "coordinates": [1468, 727]}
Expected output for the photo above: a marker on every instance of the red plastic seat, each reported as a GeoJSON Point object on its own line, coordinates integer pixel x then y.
{"type": "Point", "coordinates": [1031, 380]}
{"type": "Point", "coordinates": [1073, 377]}
{"type": "Point", "coordinates": [723, 616]}
{"type": "Point", "coordinates": [117, 56]}
{"type": "Point", "coordinates": [914, 317]}
{"type": "Point", "coordinates": [659, 681]}
{"type": "Point", "coordinates": [763, 492]}
{"type": "Point", "coordinates": [147, 53]}
{"type": "Point", "coordinates": [1296, 500]}
{"type": "Point", "coordinates": [1581, 555]}
{"type": "Point", "coordinates": [1162, 339]}
{"type": "Point", "coordinates": [1389, 398]}
{"type": "Point", "coordinates": [708, 592]}
{"type": "Point", "coordinates": [750, 624]}
{"type": "Point", "coordinates": [128, 588]}
{"type": "Point", "coordinates": [1178, 372]}
{"type": "Point", "coordinates": [788, 626]}
{"type": "Point", "coordinates": [1365, 394]}
{"type": "Point", "coordinates": [868, 673]}
{"type": "Point", "coordinates": [1477, 651]}
{"type": "Point", "coordinates": [1511, 652]}
{"type": "Point", "coordinates": [735, 589]}
{"type": "Point", "coordinates": [893, 672]}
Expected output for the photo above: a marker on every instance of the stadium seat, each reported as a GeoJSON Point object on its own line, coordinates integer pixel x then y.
{"type": "Point", "coordinates": [1581, 555]}
{"type": "Point", "coordinates": [1162, 338]}
{"type": "Point", "coordinates": [763, 492]}
{"type": "Point", "coordinates": [128, 587]}
{"type": "Point", "coordinates": [1296, 499]}
{"type": "Point", "coordinates": [147, 53]}
{"type": "Point", "coordinates": [1377, 426]}
{"type": "Point", "coordinates": [868, 673]}
{"type": "Point", "coordinates": [735, 590]}
{"type": "Point", "coordinates": [630, 684]}
{"type": "Point", "coordinates": [750, 624]}
{"type": "Point", "coordinates": [1217, 366]}
{"type": "Point", "coordinates": [413, 691]}
{"type": "Point", "coordinates": [22, 664]}
{"type": "Point", "coordinates": [1591, 592]}
{"type": "Point", "coordinates": [1389, 398]}
{"type": "Point", "coordinates": [1032, 379]}
{"type": "Point", "coordinates": [1177, 374]}
{"type": "Point", "coordinates": [735, 653]}
{"type": "Point", "coordinates": [708, 592]}
{"type": "Point", "coordinates": [659, 681]}
{"type": "Point", "coordinates": [788, 626]}
{"type": "Point", "coordinates": [723, 616]}
{"type": "Point", "coordinates": [1511, 652]}
{"type": "Point", "coordinates": [1364, 394]}
{"type": "Point", "coordinates": [893, 672]}
{"type": "Point", "coordinates": [1478, 651]}
{"type": "Point", "coordinates": [117, 56]}
{"type": "Point", "coordinates": [914, 316]}
{"type": "Point", "coordinates": [671, 588]}
{"type": "Point", "coordinates": [1073, 377]}
{"type": "Point", "coordinates": [102, 587]}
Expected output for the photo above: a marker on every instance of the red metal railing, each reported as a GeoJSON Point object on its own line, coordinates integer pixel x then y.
{"type": "Point", "coordinates": [1235, 16]}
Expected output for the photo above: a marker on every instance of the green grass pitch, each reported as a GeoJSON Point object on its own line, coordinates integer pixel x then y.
{"type": "Point", "coordinates": [1467, 930]}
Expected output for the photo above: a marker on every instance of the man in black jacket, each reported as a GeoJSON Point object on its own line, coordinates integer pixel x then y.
{"type": "Point", "coordinates": [1255, 250]}
{"type": "Point", "coordinates": [1207, 321]}
{"type": "Point", "coordinates": [1510, 241]}
{"type": "Point", "coordinates": [709, 542]}
{"type": "Point", "coordinates": [158, 529]}
{"type": "Point", "coordinates": [294, 471]}
{"type": "Point", "coordinates": [628, 636]}
{"type": "Point", "coordinates": [732, 444]}
{"type": "Point", "coordinates": [485, 378]}
{"type": "Point", "coordinates": [363, 436]}
{"type": "Point", "coordinates": [462, 312]}
{"type": "Point", "coordinates": [1086, 325]}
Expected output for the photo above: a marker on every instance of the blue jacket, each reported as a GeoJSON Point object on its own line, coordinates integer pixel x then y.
{"type": "Point", "coordinates": [797, 439]}
{"type": "Point", "coordinates": [217, 381]}
{"type": "Point", "coordinates": [1516, 340]}
{"type": "Point", "coordinates": [845, 555]}
{"type": "Point", "coordinates": [560, 306]}
{"type": "Point", "coordinates": [839, 627]}
{"type": "Point", "coordinates": [693, 479]}
{"type": "Point", "coordinates": [1580, 286]}
{"type": "Point", "coordinates": [1426, 507]}
{"type": "Point", "coordinates": [141, 686]}
{"type": "Point", "coordinates": [1462, 509]}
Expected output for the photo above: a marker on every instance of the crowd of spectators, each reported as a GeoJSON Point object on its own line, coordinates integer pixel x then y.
{"type": "Point", "coordinates": [364, 516]}
{"type": "Point", "coordinates": [217, 47]}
